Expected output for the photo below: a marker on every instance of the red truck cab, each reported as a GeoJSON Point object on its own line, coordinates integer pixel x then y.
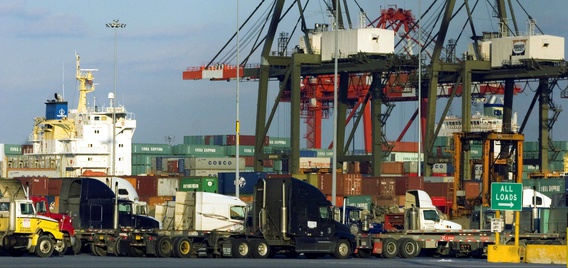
{"type": "Point", "coordinates": [65, 221]}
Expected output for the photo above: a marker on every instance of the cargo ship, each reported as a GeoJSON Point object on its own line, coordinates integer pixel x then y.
{"type": "Point", "coordinates": [490, 120]}
{"type": "Point", "coordinates": [73, 142]}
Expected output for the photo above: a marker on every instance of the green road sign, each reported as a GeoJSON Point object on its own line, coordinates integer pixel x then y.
{"type": "Point", "coordinates": [506, 196]}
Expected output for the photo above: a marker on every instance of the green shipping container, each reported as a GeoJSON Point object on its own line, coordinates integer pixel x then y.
{"type": "Point", "coordinates": [156, 149]}
{"type": "Point", "coordinates": [361, 201]}
{"type": "Point", "coordinates": [199, 184]}
{"type": "Point", "coordinates": [12, 149]}
{"type": "Point", "coordinates": [198, 150]}
{"type": "Point", "coordinates": [279, 142]}
{"type": "Point", "coordinates": [244, 150]}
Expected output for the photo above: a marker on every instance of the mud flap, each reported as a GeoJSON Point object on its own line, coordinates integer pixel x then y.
{"type": "Point", "coordinates": [227, 248]}
{"type": "Point", "coordinates": [150, 247]}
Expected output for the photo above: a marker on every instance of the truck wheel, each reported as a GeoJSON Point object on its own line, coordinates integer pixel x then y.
{"type": "Point", "coordinates": [121, 247]}
{"type": "Point", "coordinates": [182, 247]}
{"type": "Point", "coordinates": [164, 247]}
{"type": "Point", "coordinates": [390, 248]}
{"type": "Point", "coordinates": [261, 249]}
{"type": "Point", "coordinates": [364, 253]}
{"type": "Point", "coordinates": [77, 246]}
{"type": "Point", "coordinates": [98, 250]}
{"type": "Point", "coordinates": [135, 252]}
{"type": "Point", "coordinates": [60, 248]}
{"type": "Point", "coordinates": [44, 247]}
{"type": "Point", "coordinates": [408, 248]}
{"type": "Point", "coordinates": [241, 248]}
{"type": "Point", "coordinates": [342, 249]}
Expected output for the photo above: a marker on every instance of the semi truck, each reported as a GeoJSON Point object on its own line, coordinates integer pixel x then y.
{"type": "Point", "coordinates": [42, 207]}
{"type": "Point", "coordinates": [287, 216]}
{"type": "Point", "coordinates": [21, 228]}
{"type": "Point", "coordinates": [423, 228]}
{"type": "Point", "coordinates": [102, 221]}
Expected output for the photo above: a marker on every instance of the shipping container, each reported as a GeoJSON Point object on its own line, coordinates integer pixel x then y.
{"type": "Point", "coordinates": [247, 198]}
{"type": "Point", "coordinates": [157, 149]}
{"type": "Point", "coordinates": [406, 183]}
{"type": "Point", "coordinates": [54, 186]}
{"type": "Point", "coordinates": [385, 186]}
{"type": "Point", "coordinates": [314, 162]}
{"type": "Point", "coordinates": [199, 184]}
{"type": "Point", "coordinates": [147, 186]}
{"type": "Point", "coordinates": [346, 184]}
{"type": "Point", "coordinates": [12, 149]}
{"type": "Point", "coordinates": [279, 142]}
{"type": "Point", "coordinates": [244, 150]}
{"type": "Point", "coordinates": [548, 187]}
{"type": "Point", "coordinates": [157, 200]}
{"type": "Point", "coordinates": [308, 153]}
{"type": "Point", "coordinates": [247, 182]}
{"type": "Point", "coordinates": [167, 186]}
{"type": "Point", "coordinates": [132, 180]}
{"type": "Point", "coordinates": [472, 189]}
{"type": "Point", "coordinates": [338, 200]}
{"type": "Point", "coordinates": [36, 185]}
{"type": "Point", "coordinates": [360, 201]}
{"type": "Point", "coordinates": [439, 189]}
{"type": "Point", "coordinates": [203, 172]}
{"type": "Point", "coordinates": [188, 150]}
{"type": "Point", "coordinates": [214, 163]}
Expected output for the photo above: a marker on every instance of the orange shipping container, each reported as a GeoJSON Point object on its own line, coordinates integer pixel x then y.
{"type": "Point", "coordinates": [472, 189]}
{"type": "Point", "coordinates": [246, 198]}
{"type": "Point", "coordinates": [338, 200]}
{"type": "Point", "coordinates": [132, 180]}
{"type": "Point", "coordinates": [156, 200]}
{"type": "Point", "coordinates": [384, 186]}
{"type": "Point", "coordinates": [392, 168]}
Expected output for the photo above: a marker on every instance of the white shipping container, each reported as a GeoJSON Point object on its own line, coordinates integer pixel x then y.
{"type": "Point", "coordinates": [405, 156]}
{"type": "Point", "coordinates": [315, 162]}
{"type": "Point", "coordinates": [511, 50]}
{"type": "Point", "coordinates": [205, 172]}
{"type": "Point", "coordinates": [220, 163]}
{"type": "Point", "coordinates": [438, 179]}
{"type": "Point", "coordinates": [440, 168]}
{"type": "Point", "coordinates": [167, 186]}
{"type": "Point", "coordinates": [353, 41]}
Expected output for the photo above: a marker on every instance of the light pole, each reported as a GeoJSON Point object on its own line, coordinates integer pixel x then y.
{"type": "Point", "coordinates": [115, 24]}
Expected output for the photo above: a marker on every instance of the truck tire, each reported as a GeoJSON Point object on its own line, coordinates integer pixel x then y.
{"type": "Point", "coordinates": [182, 247]}
{"type": "Point", "coordinates": [260, 249]}
{"type": "Point", "coordinates": [241, 248]}
{"type": "Point", "coordinates": [390, 248]}
{"type": "Point", "coordinates": [164, 247]}
{"type": "Point", "coordinates": [408, 248]}
{"type": "Point", "coordinates": [135, 251]}
{"type": "Point", "coordinates": [98, 250]}
{"type": "Point", "coordinates": [342, 249]}
{"type": "Point", "coordinates": [60, 248]}
{"type": "Point", "coordinates": [77, 246]}
{"type": "Point", "coordinates": [44, 247]}
{"type": "Point", "coordinates": [121, 247]}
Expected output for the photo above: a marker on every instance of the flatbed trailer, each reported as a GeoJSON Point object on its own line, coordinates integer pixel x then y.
{"type": "Point", "coordinates": [462, 243]}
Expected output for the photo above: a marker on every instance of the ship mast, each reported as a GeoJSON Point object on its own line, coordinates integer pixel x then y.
{"type": "Point", "coordinates": [86, 85]}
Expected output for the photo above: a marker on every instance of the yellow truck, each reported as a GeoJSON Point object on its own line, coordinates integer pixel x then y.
{"type": "Point", "coordinates": [21, 229]}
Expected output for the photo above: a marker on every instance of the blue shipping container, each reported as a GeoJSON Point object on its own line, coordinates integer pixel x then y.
{"type": "Point", "coordinates": [226, 182]}
{"type": "Point", "coordinates": [308, 153]}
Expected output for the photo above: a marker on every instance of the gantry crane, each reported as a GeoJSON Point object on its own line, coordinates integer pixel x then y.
{"type": "Point", "coordinates": [441, 73]}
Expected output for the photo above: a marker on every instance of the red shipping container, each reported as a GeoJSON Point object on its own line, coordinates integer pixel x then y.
{"type": "Point", "coordinates": [439, 189]}
{"type": "Point", "coordinates": [338, 200]}
{"type": "Point", "coordinates": [408, 183]}
{"type": "Point", "coordinates": [37, 185]}
{"type": "Point", "coordinates": [248, 140]}
{"type": "Point", "coordinates": [54, 186]}
{"type": "Point", "coordinates": [385, 186]}
{"type": "Point", "coordinates": [405, 146]}
{"type": "Point", "coordinates": [249, 161]}
{"type": "Point", "coordinates": [347, 184]}
{"type": "Point", "coordinates": [370, 186]}
{"type": "Point", "coordinates": [147, 186]}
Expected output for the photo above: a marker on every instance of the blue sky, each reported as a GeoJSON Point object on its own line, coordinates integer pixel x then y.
{"type": "Point", "coordinates": [38, 40]}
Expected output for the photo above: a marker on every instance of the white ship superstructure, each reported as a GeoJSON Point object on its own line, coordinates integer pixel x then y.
{"type": "Point", "coordinates": [81, 139]}
{"type": "Point", "coordinates": [490, 121]}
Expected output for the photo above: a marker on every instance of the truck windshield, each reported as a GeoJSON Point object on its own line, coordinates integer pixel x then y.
{"type": "Point", "coordinates": [40, 207]}
{"type": "Point", "coordinates": [125, 208]}
{"type": "Point", "coordinates": [431, 215]}
{"type": "Point", "coordinates": [237, 213]}
{"type": "Point", "coordinates": [324, 212]}
{"type": "Point", "coordinates": [26, 209]}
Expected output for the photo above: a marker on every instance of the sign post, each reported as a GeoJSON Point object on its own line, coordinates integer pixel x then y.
{"type": "Point", "coordinates": [506, 196]}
